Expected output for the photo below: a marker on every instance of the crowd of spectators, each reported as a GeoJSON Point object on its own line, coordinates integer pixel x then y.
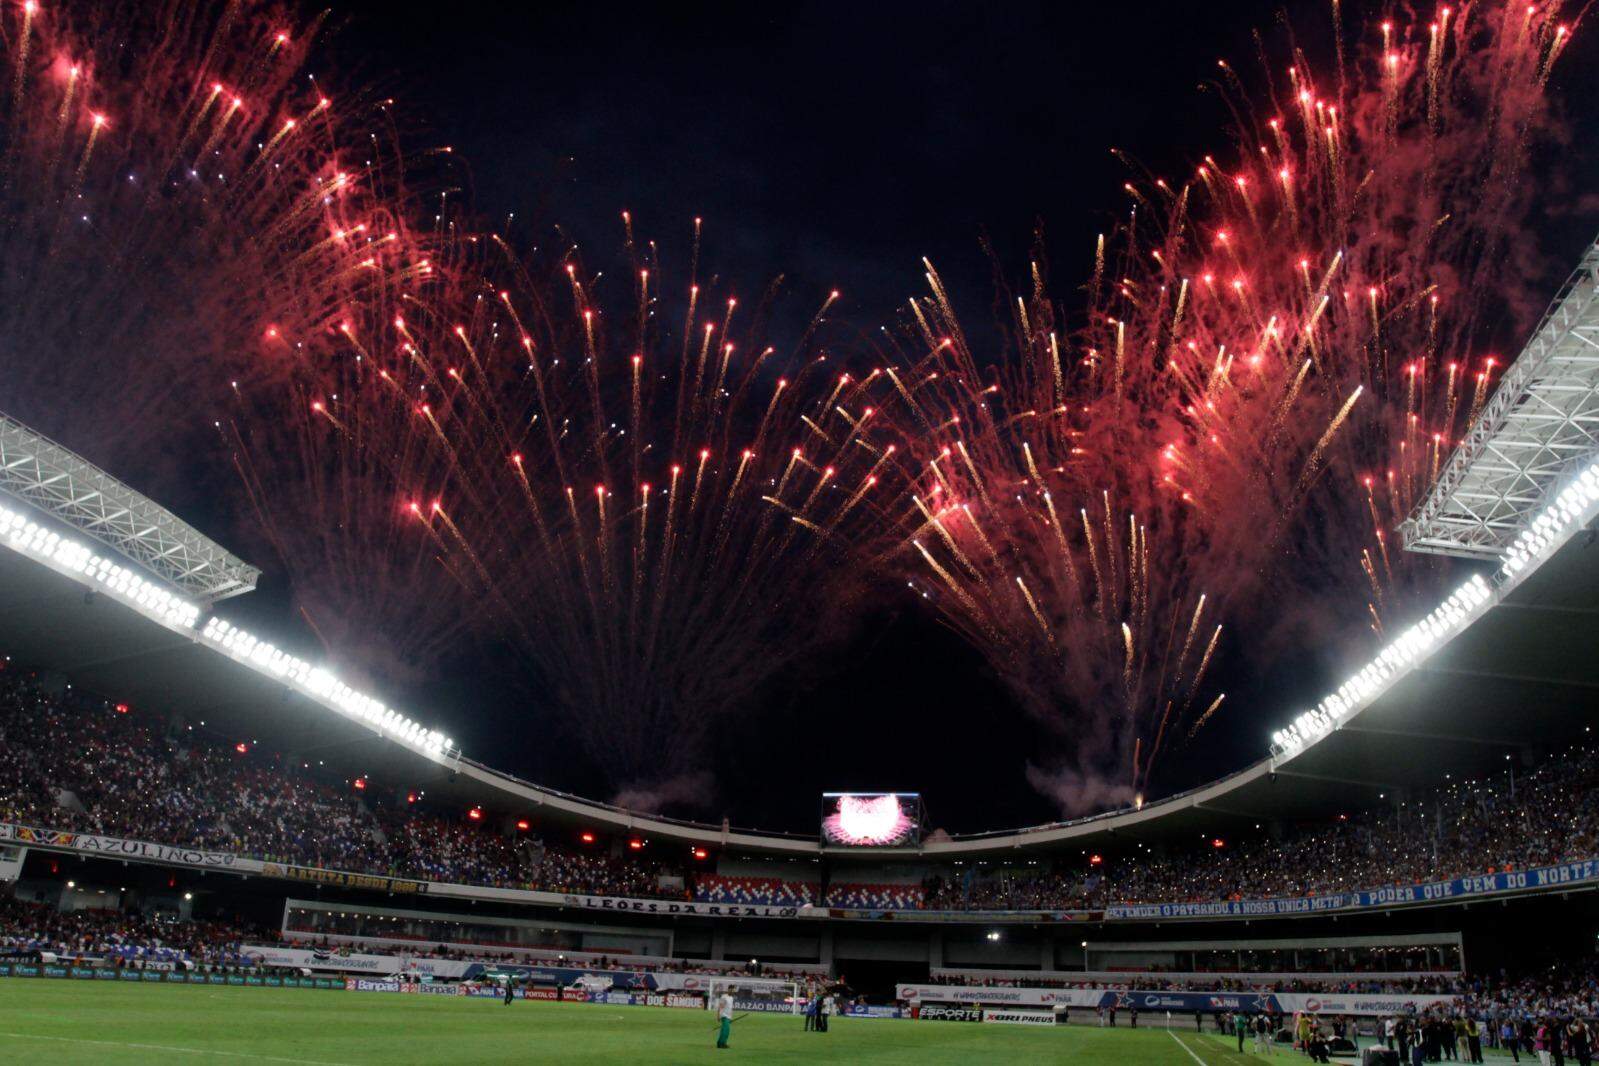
{"type": "Point", "coordinates": [1547, 816]}
{"type": "Point", "coordinates": [431, 848]}
{"type": "Point", "coordinates": [70, 761]}
{"type": "Point", "coordinates": [1561, 991]}
{"type": "Point", "coordinates": [121, 937]}
{"type": "Point", "coordinates": [1031, 888]}
{"type": "Point", "coordinates": [601, 874]}
{"type": "Point", "coordinates": [73, 763]}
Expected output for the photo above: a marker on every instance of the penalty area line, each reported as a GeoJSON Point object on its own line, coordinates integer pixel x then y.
{"type": "Point", "coordinates": [170, 1047]}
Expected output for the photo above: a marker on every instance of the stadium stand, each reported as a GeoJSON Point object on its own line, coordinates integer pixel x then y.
{"type": "Point", "coordinates": [876, 897]}
{"type": "Point", "coordinates": [122, 938]}
{"type": "Point", "coordinates": [76, 762]}
{"type": "Point", "coordinates": [72, 761]}
{"type": "Point", "coordinates": [1546, 816]}
{"type": "Point", "coordinates": [600, 875]}
{"type": "Point", "coordinates": [1568, 993]}
{"type": "Point", "coordinates": [1007, 888]}
{"type": "Point", "coordinates": [438, 849]}
{"type": "Point", "coordinates": [770, 891]}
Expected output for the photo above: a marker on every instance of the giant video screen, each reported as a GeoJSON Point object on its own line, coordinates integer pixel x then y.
{"type": "Point", "coordinates": [871, 819]}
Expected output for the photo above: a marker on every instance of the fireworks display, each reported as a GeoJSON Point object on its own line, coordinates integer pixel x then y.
{"type": "Point", "coordinates": [174, 187]}
{"type": "Point", "coordinates": [646, 502]}
{"type": "Point", "coordinates": [616, 475]}
{"type": "Point", "coordinates": [1277, 357]}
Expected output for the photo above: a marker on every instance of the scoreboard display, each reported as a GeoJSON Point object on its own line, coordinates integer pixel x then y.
{"type": "Point", "coordinates": [871, 819]}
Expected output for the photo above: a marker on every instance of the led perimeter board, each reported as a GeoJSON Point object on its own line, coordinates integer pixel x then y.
{"type": "Point", "coordinates": [871, 819]}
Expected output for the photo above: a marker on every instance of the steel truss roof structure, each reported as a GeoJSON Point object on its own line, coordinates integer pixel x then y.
{"type": "Point", "coordinates": [74, 491]}
{"type": "Point", "coordinates": [1541, 421]}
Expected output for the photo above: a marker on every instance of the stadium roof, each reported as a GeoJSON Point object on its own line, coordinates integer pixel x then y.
{"type": "Point", "coordinates": [79, 494]}
{"type": "Point", "coordinates": [1542, 420]}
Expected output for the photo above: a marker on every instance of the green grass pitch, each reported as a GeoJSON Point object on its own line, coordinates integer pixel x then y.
{"type": "Point", "coordinates": [61, 1022]}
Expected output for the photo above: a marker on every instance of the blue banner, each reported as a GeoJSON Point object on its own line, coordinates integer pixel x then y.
{"type": "Point", "coordinates": [1461, 888]}
{"type": "Point", "coordinates": [1188, 1002]}
{"type": "Point", "coordinates": [563, 976]}
{"type": "Point", "coordinates": [859, 1011]}
{"type": "Point", "coordinates": [968, 998]}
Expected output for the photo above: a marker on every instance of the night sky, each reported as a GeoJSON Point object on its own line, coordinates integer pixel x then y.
{"type": "Point", "coordinates": [835, 145]}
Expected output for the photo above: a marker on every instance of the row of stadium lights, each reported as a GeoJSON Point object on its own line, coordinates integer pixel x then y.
{"type": "Point", "coordinates": [1557, 522]}
{"type": "Point", "coordinates": [1553, 526]}
{"type": "Point", "coordinates": [30, 538]}
{"type": "Point", "coordinates": [322, 685]}
{"type": "Point", "coordinates": [1544, 534]}
{"type": "Point", "coordinates": [27, 537]}
{"type": "Point", "coordinates": [1415, 643]}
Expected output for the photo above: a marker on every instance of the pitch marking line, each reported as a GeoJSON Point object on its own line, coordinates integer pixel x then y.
{"type": "Point", "coordinates": [171, 1047]}
{"type": "Point", "coordinates": [1186, 1048]}
{"type": "Point", "coordinates": [1227, 1054]}
{"type": "Point", "coordinates": [1221, 1045]}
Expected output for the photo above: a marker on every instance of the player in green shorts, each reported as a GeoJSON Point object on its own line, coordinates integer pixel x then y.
{"type": "Point", "coordinates": [724, 1011]}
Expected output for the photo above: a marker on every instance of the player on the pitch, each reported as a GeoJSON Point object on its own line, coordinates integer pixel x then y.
{"type": "Point", "coordinates": [724, 1011]}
